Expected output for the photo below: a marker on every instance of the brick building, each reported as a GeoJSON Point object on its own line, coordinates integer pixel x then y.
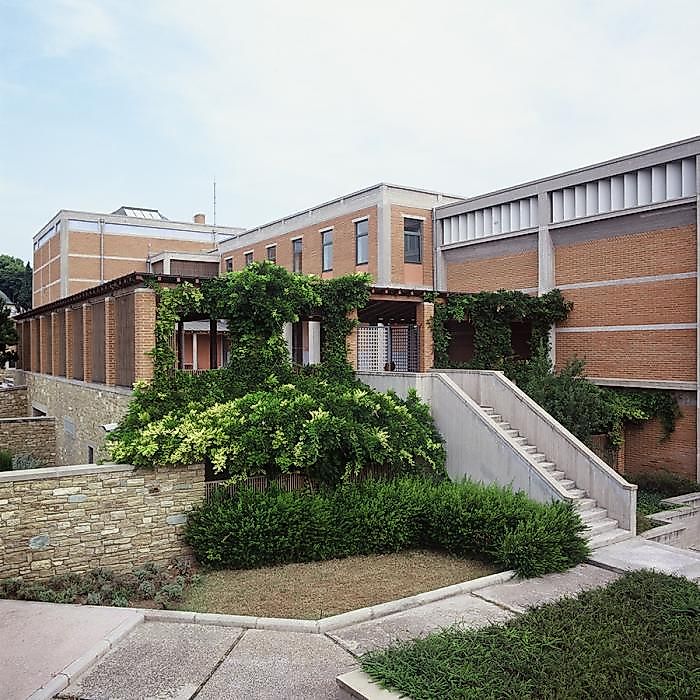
{"type": "Point", "coordinates": [618, 238]}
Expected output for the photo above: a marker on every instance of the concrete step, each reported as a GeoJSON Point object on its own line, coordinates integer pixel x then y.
{"type": "Point", "coordinates": [497, 417]}
{"type": "Point", "coordinates": [557, 474]}
{"type": "Point", "coordinates": [583, 504]}
{"type": "Point", "coordinates": [530, 449]}
{"type": "Point", "coordinates": [576, 493]}
{"type": "Point", "coordinates": [520, 441]}
{"type": "Point", "coordinates": [503, 425]}
{"type": "Point", "coordinates": [598, 527]}
{"type": "Point", "coordinates": [538, 456]}
{"type": "Point", "coordinates": [512, 433]}
{"type": "Point", "coordinates": [592, 515]}
{"type": "Point", "coordinates": [608, 537]}
{"type": "Point", "coordinates": [567, 484]}
{"type": "Point", "coordinates": [549, 466]}
{"type": "Point", "coordinates": [488, 409]}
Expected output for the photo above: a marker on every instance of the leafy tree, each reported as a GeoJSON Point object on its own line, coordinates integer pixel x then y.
{"type": "Point", "coordinates": [16, 281]}
{"type": "Point", "coordinates": [8, 334]}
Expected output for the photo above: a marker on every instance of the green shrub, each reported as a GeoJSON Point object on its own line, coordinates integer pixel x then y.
{"type": "Point", "coordinates": [328, 430]}
{"type": "Point", "coordinates": [5, 461]}
{"type": "Point", "coordinates": [254, 529]}
{"type": "Point", "coordinates": [664, 483]}
{"type": "Point", "coordinates": [22, 461]}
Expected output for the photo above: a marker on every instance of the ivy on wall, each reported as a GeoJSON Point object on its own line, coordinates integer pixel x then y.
{"type": "Point", "coordinates": [491, 315]}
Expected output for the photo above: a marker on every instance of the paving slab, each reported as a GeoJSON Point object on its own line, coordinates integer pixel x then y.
{"type": "Point", "coordinates": [39, 640]}
{"type": "Point", "coordinates": [157, 660]}
{"type": "Point", "coordinates": [519, 595]}
{"type": "Point", "coordinates": [465, 609]}
{"type": "Point", "coordinates": [267, 665]}
{"type": "Point", "coordinates": [638, 553]}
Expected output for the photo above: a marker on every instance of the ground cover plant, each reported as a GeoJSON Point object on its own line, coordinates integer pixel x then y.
{"type": "Point", "coordinates": [149, 585]}
{"type": "Point", "coordinates": [636, 638]}
{"type": "Point", "coordinates": [252, 529]}
{"type": "Point", "coordinates": [319, 589]}
{"type": "Point", "coordinates": [653, 488]}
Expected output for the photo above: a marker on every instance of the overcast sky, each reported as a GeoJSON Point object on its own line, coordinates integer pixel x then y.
{"type": "Point", "coordinates": [288, 104]}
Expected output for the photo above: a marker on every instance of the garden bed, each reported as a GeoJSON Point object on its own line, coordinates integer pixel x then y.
{"type": "Point", "coordinates": [636, 638]}
{"type": "Point", "coordinates": [319, 589]}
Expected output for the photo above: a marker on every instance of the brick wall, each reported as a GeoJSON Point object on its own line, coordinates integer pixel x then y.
{"type": "Point", "coordinates": [30, 436]}
{"type": "Point", "coordinates": [343, 246]}
{"type": "Point", "coordinates": [517, 271]}
{"type": "Point", "coordinates": [14, 402]}
{"type": "Point", "coordinates": [645, 451]}
{"type": "Point", "coordinates": [72, 519]}
{"type": "Point", "coordinates": [411, 273]}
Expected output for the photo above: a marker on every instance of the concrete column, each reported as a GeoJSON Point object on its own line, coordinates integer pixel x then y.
{"type": "Point", "coordinates": [110, 342]}
{"type": "Point", "coordinates": [314, 342]}
{"type": "Point", "coordinates": [56, 343]}
{"type": "Point", "coordinates": [351, 342]}
{"type": "Point", "coordinates": [424, 315]}
{"type": "Point", "coordinates": [87, 342]}
{"type": "Point", "coordinates": [145, 304]}
{"type": "Point", "coordinates": [68, 340]}
{"type": "Point", "coordinates": [546, 273]}
{"type": "Point", "coordinates": [195, 364]}
{"type": "Point", "coordinates": [383, 238]}
{"type": "Point", "coordinates": [287, 335]}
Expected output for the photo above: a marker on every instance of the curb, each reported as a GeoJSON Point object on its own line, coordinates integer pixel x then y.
{"type": "Point", "coordinates": [359, 686]}
{"type": "Point", "coordinates": [326, 624]}
{"type": "Point", "coordinates": [63, 678]}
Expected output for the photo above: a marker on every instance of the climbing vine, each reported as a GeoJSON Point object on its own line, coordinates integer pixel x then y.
{"type": "Point", "coordinates": [491, 315]}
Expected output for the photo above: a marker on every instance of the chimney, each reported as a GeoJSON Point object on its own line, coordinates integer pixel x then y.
{"type": "Point", "coordinates": [199, 219]}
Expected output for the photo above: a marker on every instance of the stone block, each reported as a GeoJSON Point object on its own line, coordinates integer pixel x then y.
{"type": "Point", "coordinates": [77, 498]}
{"type": "Point", "coordinates": [39, 542]}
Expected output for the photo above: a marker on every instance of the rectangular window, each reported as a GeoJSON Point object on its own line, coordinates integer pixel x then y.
{"type": "Point", "coordinates": [271, 251]}
{"type": "Point", "coordinates": [327, 250]}
{"type": "Point", "coordinates": [361, 242]}
{"type": "Point", "coordinates": [248, 258]}
{"type": "Point", "coordinates": [412, 240]}
{"type": "Point", "coordinates": [229, 264]}
{"type": "Point", "coordinates": [91, 454]}
{"type": "Point", "coordinates": [296, 255]}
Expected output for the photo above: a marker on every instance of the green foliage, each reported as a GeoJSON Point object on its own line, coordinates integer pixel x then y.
{"type": "Point", "coordinates": [254, 529]}
{"type": "Point", "coordinates": [636, 638]}
{"type": "Point", "coordinates": [24, 461]}
{"type": "Point", "coordinates": [664, 483]}
{"type": "Point", "coordinates": [5, 461]}
{"type": "Point", "coordinates": [491, 315]}
{"type": "Point", "coordinates": [8, 334]}
{"type": "Point", "coordinates": [16, 281]}
{"type": "Point", "coordinates": [102, 586]}
{"type": "Point", "coordinates": [330, 431]}
{"type": "Point", "coordinates": [585, 408]}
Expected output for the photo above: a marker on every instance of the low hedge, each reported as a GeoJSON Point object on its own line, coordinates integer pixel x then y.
{"type": "Point", "coordinates": [253, 529]}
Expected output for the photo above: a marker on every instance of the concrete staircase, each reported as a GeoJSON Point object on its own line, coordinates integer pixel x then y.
{"type": "Point", "coordinates": [600, 529]}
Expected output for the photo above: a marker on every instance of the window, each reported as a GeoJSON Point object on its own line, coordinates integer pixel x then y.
{"type": "Point", "coordinates": [327, 249]}
{"type": "Point", "coordinates": [91, 454]}
{"type": "Point", "coordinates": [271, 251]}
{"type": "Point", "coordinates": [248, 258]}
{"type": "Point", "coordinates": [296, 255]}
{"type": "Point", "coordinates": [361, 242]}
{"type": "Point", "coordinates": [229, 264]}
{"type": "Point", "coordinates": [412, 240]}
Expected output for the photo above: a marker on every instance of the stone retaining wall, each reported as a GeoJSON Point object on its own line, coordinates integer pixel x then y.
{"type": "Point", "coordinates": [30, 436]}
{"type": "Point", "coordinates": [71, 519]}
{"type": "Point", "coordinates": [14, 402]}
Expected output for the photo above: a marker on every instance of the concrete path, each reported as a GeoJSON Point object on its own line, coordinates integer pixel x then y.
{"type": "Point", "coordinates": [40, 640]}
{"type": "Point", "coordinates": [639, 553]}
{"type": "Point", "coordinates": [180, 661]}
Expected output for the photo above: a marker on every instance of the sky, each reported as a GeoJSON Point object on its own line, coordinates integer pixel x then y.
{"type": "Point", "coordinates": [289, 104]}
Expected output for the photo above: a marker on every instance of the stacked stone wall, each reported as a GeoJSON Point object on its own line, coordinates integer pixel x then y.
{"type": "Point", "coordinates": [72, 519]}
{"type": "Point", "coordinates": [14, 402]}
{"type": "Point", "coordinates": [29, 436]}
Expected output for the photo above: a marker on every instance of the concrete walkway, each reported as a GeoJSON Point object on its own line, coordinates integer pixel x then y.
{"type": "Point", "coordinates": [40, 640]}
{"type": "Point", "coordinates": [639, 553]}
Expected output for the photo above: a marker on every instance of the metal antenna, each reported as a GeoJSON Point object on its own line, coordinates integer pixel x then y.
{"type": "Point", "coordinates": [214, 200]}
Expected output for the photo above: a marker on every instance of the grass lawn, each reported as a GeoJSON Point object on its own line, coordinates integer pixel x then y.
{"type": "Point", "coordinates": [318, 589]}
{"type": "Point", "coordinates": [636, 638]}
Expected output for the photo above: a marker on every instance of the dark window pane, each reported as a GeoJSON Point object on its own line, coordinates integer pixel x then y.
{"type": "Point", "coordinates": [412, 240]}
{"type": "Point", "coordinates": [272, 253]}
{"type": "Point", "coordinates": [248, 258]}
{"type": "Point", "coordinates": [327, 246]}
{"type": "Point", "coordinates": [296, 255]}
{"type": "Point", "coordinates": [229, 264]}
{"type": "Point", "coordinates": [361, 242]}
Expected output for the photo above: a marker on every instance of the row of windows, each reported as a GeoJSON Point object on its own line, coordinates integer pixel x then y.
{"type": "Point", "coordinates": [412, 245]}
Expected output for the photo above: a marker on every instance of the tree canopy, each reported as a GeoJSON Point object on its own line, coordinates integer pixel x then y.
{"type": "Point", "coordinates": [16, 281]}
